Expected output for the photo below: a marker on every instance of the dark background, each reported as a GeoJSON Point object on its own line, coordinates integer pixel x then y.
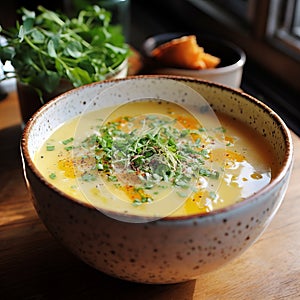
{"type": "Point", "coordinates": [158, 16]}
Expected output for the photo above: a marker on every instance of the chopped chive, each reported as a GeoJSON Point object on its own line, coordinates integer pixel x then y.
{"type": "Point", "coordinates": [50, 148]}
{"type": "Point", "coordinates": [52, 176]}
{"type": "Point", "coordinates": [136, 202]}
{"type": "Point", "coordinates": [67, 141]}
{"type": "Point", "coordinates": [68, 148]}
{"type": "Point", "coordinates": [112, 178]}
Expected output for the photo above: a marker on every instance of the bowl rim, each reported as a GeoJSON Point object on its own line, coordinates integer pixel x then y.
{"type": "Point", "coordinates": [283, 170]}
{"type": "Point", "coordinates": [219, 70]}
{"type": "Point", "coordinates": [118, 69]}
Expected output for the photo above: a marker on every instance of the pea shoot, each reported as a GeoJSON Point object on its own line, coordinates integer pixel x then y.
{"type": "Point", "coordinates": [47, 46]}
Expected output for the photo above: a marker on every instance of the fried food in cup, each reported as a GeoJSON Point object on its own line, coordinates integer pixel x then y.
{"type": "Point", "coordinates": [184, 52]}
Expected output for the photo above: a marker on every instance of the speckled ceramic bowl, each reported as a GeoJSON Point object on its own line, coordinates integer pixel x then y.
{"type": "Point", "coordinates": [168, 250]}
{"type": "Point", "coordinates": [229, 72]}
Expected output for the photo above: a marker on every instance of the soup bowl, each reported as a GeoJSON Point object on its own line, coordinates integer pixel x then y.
{"type": "Point", "coordinates": [168, 249]}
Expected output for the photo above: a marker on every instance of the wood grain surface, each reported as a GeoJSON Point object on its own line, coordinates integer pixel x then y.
{"type": "Point", "coordinates": [35, 266]}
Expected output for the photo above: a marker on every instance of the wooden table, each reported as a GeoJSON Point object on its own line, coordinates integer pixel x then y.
{"type": "Point", "coordinates": [35, 266]}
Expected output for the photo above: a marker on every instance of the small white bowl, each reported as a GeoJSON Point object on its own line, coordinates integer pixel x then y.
{"type": "Point", "coordinates": [229, 72]}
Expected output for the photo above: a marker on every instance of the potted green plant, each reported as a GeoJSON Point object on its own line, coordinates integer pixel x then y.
{"type": "Point", "coordinates": [51, 53]}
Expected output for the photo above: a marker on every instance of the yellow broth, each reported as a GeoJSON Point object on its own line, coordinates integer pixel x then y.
{"type": "Point", "coordinates": [233, 165]}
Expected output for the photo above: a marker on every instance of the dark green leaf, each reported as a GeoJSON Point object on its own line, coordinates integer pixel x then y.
{"type": "Point", "coordinates": [28, 25]}
{"type": "Point", "coordinates": [78, 76]}
{"type": "Point", "coordinates": [37, 36]}
{"type": "Point", "coordinates": [59, 66]}
{"type": "Point", "coordinates": [47, 81]}
{"type": "Point", "coordinates": [51, 49]}
{"type": "Point", "coordinates": [7, 53]}
{"type": "Point", "coordinates": [73, 49]}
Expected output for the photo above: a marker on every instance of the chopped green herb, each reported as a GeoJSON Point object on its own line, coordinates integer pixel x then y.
{"type": "Point", "coordinates": [50, 148]}
{"type": "Point", "coordinates": [112, 178]}
{"type": "Point", "coordinates": [68, 148]}
{"type": "Point", "coordinates": [52, 176]}
{"type": "Point", "coordinates": [67, 141]}
{"type": "Point", "coordinates": [221, 129]}
{"type": "Point", "coordinates": [159, 152]}
{"type": "Point", "coordinates": [136, 202]}
{"type": "Point", "coordinates": [88, 177]}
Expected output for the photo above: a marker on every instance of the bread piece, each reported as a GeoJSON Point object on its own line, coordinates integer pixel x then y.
{"type": "Point", "coordinates": [184, 52]}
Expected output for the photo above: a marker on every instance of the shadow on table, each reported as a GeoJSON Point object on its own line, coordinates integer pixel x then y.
{"type": "Point", "coordinates": [40, 268]}
{"type": "Point", "coordinates": [10, 147]}
{"type": "Point", "coordinates": [33, 265]}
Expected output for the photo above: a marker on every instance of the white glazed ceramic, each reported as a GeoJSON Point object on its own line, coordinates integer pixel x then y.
{"type": "Point", "coordinates": [120, 72]}
{"type": "Point", "coordinates": [168, 250]}
{"type": "Point", "coordinates": [228, 73]}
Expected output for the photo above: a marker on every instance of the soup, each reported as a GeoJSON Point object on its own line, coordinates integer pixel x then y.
{"type": "Point", "coordinates": [167, 160]}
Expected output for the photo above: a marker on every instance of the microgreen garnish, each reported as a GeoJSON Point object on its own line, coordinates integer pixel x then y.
{"type": "Point", "coordinates": [67, 141]}
{"type": "Point", "coordinates": [68, 148]}
{"type": "Point", "coordinates": [112, 178]}
{"type": "Point", "coordinates": [158, 150]}
{"type": "Point", "coordinates": [52, 176]}
{"type": "Point", "coordinates": [50, 148]}
{"type": "Point", "coordinates": [220, 129]}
